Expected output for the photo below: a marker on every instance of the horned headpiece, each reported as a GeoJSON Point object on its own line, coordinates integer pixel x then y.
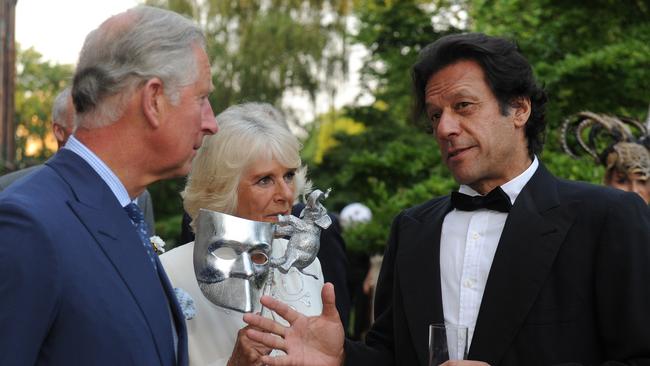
{"type": "Point", "coordinates": [616, 142]}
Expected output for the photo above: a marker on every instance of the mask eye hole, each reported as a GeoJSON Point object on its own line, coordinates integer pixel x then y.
{"type": "Point", "coordinates": [225, 253]}
{"type": "Point", "coordinates": [259, 258]}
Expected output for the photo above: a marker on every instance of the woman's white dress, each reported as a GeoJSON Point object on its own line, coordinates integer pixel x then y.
{"type": "Point", "coordinates": [212, 332]}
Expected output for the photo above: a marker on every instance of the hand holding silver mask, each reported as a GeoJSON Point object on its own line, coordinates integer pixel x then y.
{"type": "Point", "coordinates": [231, 259]}
{"type": "Point", "coordinates": [231, 254]}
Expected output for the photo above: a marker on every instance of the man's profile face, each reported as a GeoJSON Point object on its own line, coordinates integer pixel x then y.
{"type": "Point", "coordinates": [477, 142]}
{"type": "Point", "coordinates": [186, 123]}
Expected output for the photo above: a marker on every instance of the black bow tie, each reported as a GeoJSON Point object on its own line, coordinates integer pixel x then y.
{"type": "Point", "coordinates": [496, 200]}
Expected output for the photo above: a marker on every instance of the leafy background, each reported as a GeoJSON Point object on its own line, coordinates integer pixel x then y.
{"type": "Point", "coordinates": [589, 55]}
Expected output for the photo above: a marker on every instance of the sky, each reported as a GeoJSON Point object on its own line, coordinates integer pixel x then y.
{"type": "Point", "coordinates": [57, 29]}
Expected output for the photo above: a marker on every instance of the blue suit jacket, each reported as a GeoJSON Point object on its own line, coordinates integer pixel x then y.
{"type": "Point", "coordinates": [76, 285]}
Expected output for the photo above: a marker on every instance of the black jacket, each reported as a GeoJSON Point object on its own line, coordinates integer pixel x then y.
{"type": "Point", "coordinates": [568, 284]}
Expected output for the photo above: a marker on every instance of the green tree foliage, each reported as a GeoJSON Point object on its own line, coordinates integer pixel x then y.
{"type": "Point", "coordinates": [262, 48]}
{"type": "Point", "coordinates": [37, 84]}
{"type": "Point", "coordinates": [594, 57]}
{"type": "Point", "coordinates": [392, 164]}
{"type": "Point", "coordinates": [591, 56]}
{"type": "Point", "coordinates": [330, 124]}
{"type": "Point", "coordinates": [259, 50]}
{"type": "Point", "coordinates": [394, 32]}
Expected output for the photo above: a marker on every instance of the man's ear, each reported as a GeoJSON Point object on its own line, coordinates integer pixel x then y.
{"type": "Point", "coordinates": [153, 98]}
{"type": "Point", "coordinates": [59, 133]}
{"type": "Point", "coordinates": [521, 109]}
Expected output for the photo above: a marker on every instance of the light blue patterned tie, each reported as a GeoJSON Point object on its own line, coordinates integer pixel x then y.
{"type": "Point", "coordinates": [137, 218]}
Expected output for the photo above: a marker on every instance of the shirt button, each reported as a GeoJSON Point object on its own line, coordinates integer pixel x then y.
{"type": "Point", "coordinates": [475, 235]}
{"type": "Point", "coordinates": [469, 283]}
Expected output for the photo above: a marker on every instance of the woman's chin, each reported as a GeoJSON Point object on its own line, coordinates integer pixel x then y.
{"type": "Point", "coordinates": [273, 219]}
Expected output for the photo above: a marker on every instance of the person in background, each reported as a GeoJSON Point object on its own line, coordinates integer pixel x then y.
{"type": "Point", "coordinates": [250, 169]}
{"type": "Point", "coordinates": [62, 128]}
{"type": "Point", "coordinates": [626, 159]}
{"type": "Point", "coordinates": [542, 271]}
{"type": "Point", "coordinates": [79, 280]}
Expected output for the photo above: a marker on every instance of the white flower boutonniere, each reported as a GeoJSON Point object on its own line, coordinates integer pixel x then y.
{"type": "Point", "coordinates": [158, 244]}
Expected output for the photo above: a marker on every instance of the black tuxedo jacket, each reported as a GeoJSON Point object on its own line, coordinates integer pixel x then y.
{"type": "Point", "coordinates": [568, 284]}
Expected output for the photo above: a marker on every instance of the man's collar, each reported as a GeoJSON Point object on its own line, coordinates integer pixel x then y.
{"type": "Point", "coordinates": [113, 182]}
{"type": "Point", "coordinates": [511, 188]}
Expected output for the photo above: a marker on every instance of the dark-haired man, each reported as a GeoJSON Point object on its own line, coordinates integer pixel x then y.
{"type": "Point", "coordinates": [542, 271]}
{"type": "Point", "coordinates": [79, 280]}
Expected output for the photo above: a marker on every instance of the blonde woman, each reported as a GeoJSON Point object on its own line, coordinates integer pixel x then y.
{"type": "Point", "coordinates": [250, 169]}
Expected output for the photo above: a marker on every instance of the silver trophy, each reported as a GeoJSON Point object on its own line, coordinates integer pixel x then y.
{"type": "Point", "coordinates": [305, 234]}
{"type": "Point", "coordinates": [232, 260]}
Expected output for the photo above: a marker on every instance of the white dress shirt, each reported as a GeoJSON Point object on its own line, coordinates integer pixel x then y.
{"type": "Point", "coordinates": [468, 242]}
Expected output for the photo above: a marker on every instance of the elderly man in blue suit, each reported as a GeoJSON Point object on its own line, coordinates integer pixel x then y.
{"type": "Point", "coordinates": [79, 281]}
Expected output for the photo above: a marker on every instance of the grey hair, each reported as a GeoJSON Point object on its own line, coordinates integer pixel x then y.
{"type": "Point", "coordinates": [247, 132]}
{"type": "Point", "coordinates": [124, 53]}
{"type": "Point", "coordinates": [60, 111]}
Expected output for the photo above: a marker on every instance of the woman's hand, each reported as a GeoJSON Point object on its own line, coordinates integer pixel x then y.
{"type": "Point", "coordinates": [247, 352]}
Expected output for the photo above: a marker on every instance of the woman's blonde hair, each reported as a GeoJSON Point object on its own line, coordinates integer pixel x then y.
{"type": "Point", "coordinates": [247, 132]}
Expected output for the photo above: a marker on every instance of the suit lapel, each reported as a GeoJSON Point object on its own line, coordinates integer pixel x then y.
{"type": "Point", "coordinates": [100, 212]}
{"type": "Point", "coordinates": [419, 273]}
{"type": "Point", "coordinates": [531, 239]}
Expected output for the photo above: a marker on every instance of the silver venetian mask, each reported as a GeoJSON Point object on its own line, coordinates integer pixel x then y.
{"type": "Point", "coordinates": [231, 259]}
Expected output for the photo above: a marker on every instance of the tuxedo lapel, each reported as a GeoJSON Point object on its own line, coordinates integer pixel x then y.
{"type": "Point", "coordinates": [100, 212]}
{"type": "Point", "coordinates": [419, 272]}
{"type": "Point", "coordinates": [531, 239]}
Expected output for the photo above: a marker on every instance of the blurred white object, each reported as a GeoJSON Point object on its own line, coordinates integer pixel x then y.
{"type": "Point", "coordinates": [354, 213]}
